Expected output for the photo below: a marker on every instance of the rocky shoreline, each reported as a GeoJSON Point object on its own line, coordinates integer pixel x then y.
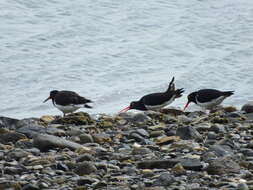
{"type": "Point", "coordinates": [131, 151]}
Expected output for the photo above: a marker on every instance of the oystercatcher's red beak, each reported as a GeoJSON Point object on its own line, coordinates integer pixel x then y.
{"type": "Point", "coordinates": [47, 99]}
{"type": "Point", "coordinates": [186, 105]}
{"type": "Point", "coordinates": [125, 109]}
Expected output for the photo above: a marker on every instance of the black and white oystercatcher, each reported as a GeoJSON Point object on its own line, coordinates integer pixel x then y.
{"type": "Point", "coordinates": [68, 101]}
{"type": "Point", "coordinates": [208, 98]}
{"type": "Point", "coordinates": [156, 101]}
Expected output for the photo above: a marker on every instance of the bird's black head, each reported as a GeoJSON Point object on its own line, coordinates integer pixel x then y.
{"type": "Point", "coordinates": [134, 105]}
{"type": "Point", "coordinates": [52, 95]}
{"type": "Point", "coordinates": [191, 98]}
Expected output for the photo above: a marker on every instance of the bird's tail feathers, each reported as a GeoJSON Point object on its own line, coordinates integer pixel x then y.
{"type": "Point", "coordinates": [228, 93]}
{"type": "Point", "coordinates": [87, 106]}
{"type": "Point", "coordinates": [179, 92]}
{"type": "Point", "coordinates": [171, 85]}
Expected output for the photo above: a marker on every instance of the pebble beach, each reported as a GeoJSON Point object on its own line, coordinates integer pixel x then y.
{"type": "Point", "coordinates": [147, 150]}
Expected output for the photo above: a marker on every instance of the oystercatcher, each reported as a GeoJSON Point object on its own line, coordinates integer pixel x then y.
{"type": "Point", "coordinates": [68, 101]}
{"type": "Point", "coordinates": [156, 101]}
{"type": "Point", "coordinates": [207, 98]}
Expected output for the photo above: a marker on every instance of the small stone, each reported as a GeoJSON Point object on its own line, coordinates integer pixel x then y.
{"type": "Point", "coordinates": [164, 179]}
{"type": "Point", "coordinates": [142, 132]}
{"type": "Point", "coordinates": [248, 107]}
{"type": "Point", "coordinates": [141, 151]}
{"type": "Point", "coordinates": [156, 133]}
{"type": "Point", "coordinates": [102, 138]}
{"type": "Point", "coordinates": [86, 138]}
{"type": "Point", "coordinates": [230, 109]}
{"type": "Point", "coordinates": [30, 187]}
{"type": "Point", "coordinates": [46, 142]}
{"type": "Point", "coordinates": [47, 118]}
{"type": "Point", "coordinates": [178, 169]}
{"type": "Point", "coordinates": [188, 133]}
{"type": "Point", "coordinates": [85, 168]}
{"type": "Point", "coordinates": [167, 140]}
{"type": "Point", "coordinates": [85, 181]}
{"type": "Point", "coordinates": [84, 157]}
{"type": "Point", "coordinates": [223, 165]}
{"type": "Point", "coordinates": [242, 186]}
{"type": "Point", "coordinates": [211, 135]}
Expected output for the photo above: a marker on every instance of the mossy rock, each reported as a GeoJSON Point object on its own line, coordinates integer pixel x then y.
{"type": "Point", "coordinates": [173, 112]}
{"type": "Point", "coordinates": [230, 109]}
{"type": "Point", "coordinates": [79, 118]}
{"type": "Point", "coordinates": [220, 120]}
{"type": "Point", "coordinates": [105, 124]}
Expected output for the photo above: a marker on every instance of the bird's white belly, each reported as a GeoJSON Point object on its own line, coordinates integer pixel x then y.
{"type": "Point", "coordinates": [157, 107]}
{"type": "Point", "coordinates": [69, 108]}
{"type": "Point", "coordinates": [211, 104]}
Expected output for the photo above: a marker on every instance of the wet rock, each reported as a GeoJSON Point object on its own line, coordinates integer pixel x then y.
{"type": "Point", "coordinates": [47, 118]}
{"type": "Point", "coordinates": [218, 151]}
{"type": "Point", "coordinates": [223, 165]}
{"type": "Point", "coordinates": [85, 168]}
{"type": "Point", "coordinates": [164, 179]}
{"type": "Point", "coordinates": [187, 163]}
{"type": "Point", "coordinates": [86, 180]}
{"type": "Point", "coordinates": [247, 152]}
{"type": "Point", "coordinates": [248, 107]}
{"type": "Point", "coordinates": [30, 127]}
{"type": "Point", "coordinates": [85, 157]}
{"type": "Point", "coordinates": [220, 120]}
{"type": "Point", "coordinates": [46, 142]}
{"type": "Point", "coordinates": [167, 140]}
{"type": "Point", "coordinates": [142, 132]}
{"type": "Point", "coordinates": [11, 137]}
{"type": "Point", "coordinates": [61, 166]}
{"type": "Point", "coordinates": [102, 138]}
{"type": "Point", "coordinates": [78, 118]}
{"type": "Point", "coordinates": [212, 135]}
{"type": "Point", "coordinates": [156, 133]}
{"type": "Point", "coordinates": [185, 144]}
{"type": "Point", "coordinates": [188, 133]}
{"type": "Point", "coordinates": [135, 118]}
{"type": "Point", "coordinates": [14, 170]}
{"type": "Point", "coordinates": [30, 187]}
{"type": "Point", "coordinates": [137, 137]}
{"type": "Point", "coordinates": [17, 154]}
{"type": "Point", "coordinates": [9, 123]}
{"type": "Point", "coordinates": [217, 128]}
{"type": "Point", "coordinates": [86, 138]}
{"type": "Point", "coordinates": [141, 151]}
{"type": "Point", "coordinates": [242, 186]}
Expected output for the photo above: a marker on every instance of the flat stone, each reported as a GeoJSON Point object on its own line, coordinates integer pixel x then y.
{"type": "Point", "coordinates": [11, 137]}
{"type": "Point", "coordinates": [85, 168]}
{"type": "Point", "coordinates": [164, 179]}
{"type": "Point", "coordinates": [9, 123]}
{"type": "Point", "coordinates": [86, 138]}
{"type": "Point", "coordinates": [188, 133]}
{"type": "Point", "coordinates": [223, 165]}
{"type": "Point", "coordinates": [46, 142]}
{"type": "Point", "coordinates": [167, 140]}
{"type": "Point", "coordinates": [187, 163]}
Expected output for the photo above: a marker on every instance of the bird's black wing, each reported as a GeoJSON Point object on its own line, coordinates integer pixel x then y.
{"type": "Point", "coordinates": [68, 97]}
{"type": "Point", "coordinates": [207, 95]}
{"type": "Point", "coordinates": [156, 98]}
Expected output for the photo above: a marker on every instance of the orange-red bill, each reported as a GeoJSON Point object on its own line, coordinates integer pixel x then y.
{"type": "Point", "coordinates": [125, 109]}
{"type": "Point", "coordinates": [186, 105]}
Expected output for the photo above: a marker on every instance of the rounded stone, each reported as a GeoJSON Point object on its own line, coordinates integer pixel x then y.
{"type": "Point", "coordinates": [86, 138]}
{"type": "Point", "coordinates": [248, 107]}
{"type": "Point", "coordinates": [85, 168]}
